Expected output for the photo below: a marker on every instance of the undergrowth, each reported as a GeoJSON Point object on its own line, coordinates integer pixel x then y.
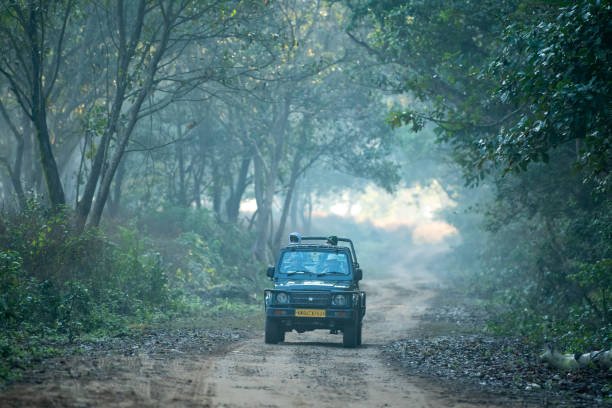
{"type": "Point", "coordinates": [58, 285]}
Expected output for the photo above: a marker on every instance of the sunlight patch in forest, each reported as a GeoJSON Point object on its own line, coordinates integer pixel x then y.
{"type": "Point", "coordinates": [416, 207]}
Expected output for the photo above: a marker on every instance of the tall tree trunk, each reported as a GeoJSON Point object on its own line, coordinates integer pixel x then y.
{"type": "Point", "coordinates": [293, 212]}
{"type": "Point", "coordinates": [5, 183]}
{"type": "Point", "coordinates": [109, 174]}
{"type": "Point", "coordinates": [15, 181]}
{"type": "Point", "coordinates": [306, 213]}
{"type": "Point", "coordinates": [180, 155]}
{"type": "Point", "coordinates": [233, 202]}
{"type": "Point", "coordinates": [295, 168]}
{"type": "Point", "coordinates": [114, 205]}
{"type": "Point", "coordinates": [29, 154]}
{"type": "Point", "coordinates": [39, 115]}
{"type": "Point", "coordinates": [28, 34]}
{"type": "Point", "coordinates": [217, 187]}
{"type": "Point", "coordinates": [259, 247]}
{"type": "Point", "coordinates": [268, 179]}
{"type": "Point", "coordinates": [125, 54]}
{"type": "Point", "coordinates": [47, 160]}
{"type": "Point", "coordinates": [133, 116]}
{"type": "Point", "coordinates": [197, 186]}
{"type": "Point", "coordinates": [14, 171]}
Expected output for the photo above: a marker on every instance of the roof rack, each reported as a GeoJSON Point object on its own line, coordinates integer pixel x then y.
{"type": "Point", "coordinates": [331, 240]}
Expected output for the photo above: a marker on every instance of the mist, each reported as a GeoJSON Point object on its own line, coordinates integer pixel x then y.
{"type": "Point", "coordinates": [155, 155]}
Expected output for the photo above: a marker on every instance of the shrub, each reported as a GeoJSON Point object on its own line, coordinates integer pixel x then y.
{"type": "Point", "coordinates": [60, 283]}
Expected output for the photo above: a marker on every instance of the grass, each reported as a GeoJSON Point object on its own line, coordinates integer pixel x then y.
{"type": "Point", "coordinates": [225, 314]}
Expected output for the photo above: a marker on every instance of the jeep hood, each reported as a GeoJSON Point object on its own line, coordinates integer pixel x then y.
{"type": "Point", "coordinates": [314, 285]}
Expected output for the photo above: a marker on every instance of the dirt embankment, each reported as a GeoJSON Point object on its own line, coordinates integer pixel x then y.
{"type": "Point", "coordinates": [449, 344]}
{"type": "Point", "coordinates": [231, 368]}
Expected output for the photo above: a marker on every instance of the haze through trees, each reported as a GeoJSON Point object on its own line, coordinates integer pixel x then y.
{"type": "Point", "coordinates": [254, 86]}
{"type": "Point", "coordinates": [519, 91]}
{"type": "Point", "coordinates": [119, 109]}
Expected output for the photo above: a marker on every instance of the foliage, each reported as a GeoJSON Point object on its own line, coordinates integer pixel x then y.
{"type": "Point", "coordinates": [542, 265]}
{"type": "Point", "coordinates": [437, 54]}
{"type": "Point", "coordinates": [519, 91]}
{"type": "Point", "coordinates": [58, 283]}
{"type": "Point", "coordinates": [555, 72]}
{"type": "Point", "coordinates": [504, 82]}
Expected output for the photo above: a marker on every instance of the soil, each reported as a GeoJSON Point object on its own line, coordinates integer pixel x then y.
{"type": "Point", "coordinates": [234, 368]}
{"type": "Point", "coordinates": [450, 344]}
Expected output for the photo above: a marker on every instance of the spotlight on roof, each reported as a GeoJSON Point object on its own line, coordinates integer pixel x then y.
{"type": "Point", "coordinates": [295, 238]}
{"type": "Point", "coordinates": [333, 240]}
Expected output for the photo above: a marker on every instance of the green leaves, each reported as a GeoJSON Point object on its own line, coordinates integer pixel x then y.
{"type": "Point", "coordinates": [412, 119]}
{"type": "Point", "coordinates": [557, 73]}
{"type": "Point", "coordinates": [519, 91]}
{"type": "Point", "coordinates": [535, 80]}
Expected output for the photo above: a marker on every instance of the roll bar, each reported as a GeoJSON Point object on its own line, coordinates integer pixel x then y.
{"type": "Point", "coordinates": [331, 240]}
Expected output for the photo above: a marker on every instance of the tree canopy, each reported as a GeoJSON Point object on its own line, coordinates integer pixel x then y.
{"type": "Point", "coordinates": [165, 116]}
{"type": "Point", "coordinates": [519, 94]}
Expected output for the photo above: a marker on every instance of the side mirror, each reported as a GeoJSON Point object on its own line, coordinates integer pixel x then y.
{"type": "Point", "coordinates": [358, 274]}
{"type": "Point", "coordinates": [270, 272]}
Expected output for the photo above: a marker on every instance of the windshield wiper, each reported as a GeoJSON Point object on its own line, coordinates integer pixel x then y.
{"type": "Point", "coordinates": [332, 273]}
{"type": "Point", "coordinates": [295, 272]}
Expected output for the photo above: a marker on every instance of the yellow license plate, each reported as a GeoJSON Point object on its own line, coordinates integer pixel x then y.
{"type": "Point", "coordinates": [309, 313]}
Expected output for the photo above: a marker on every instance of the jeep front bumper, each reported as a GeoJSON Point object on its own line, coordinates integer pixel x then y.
{"type": "Point", "coordinates": [301, 313]}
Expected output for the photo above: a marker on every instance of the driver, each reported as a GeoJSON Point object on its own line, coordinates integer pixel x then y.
{"type": "Point", "coordinates": [334, 263]}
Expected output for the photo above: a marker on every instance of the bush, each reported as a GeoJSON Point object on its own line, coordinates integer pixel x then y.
{"type": "Point", "coordinates": [55, 281]}
{"type": "Point", "coordinates": [204, 255]}
{"type": "Point", "coordinates": [543, 262]}
{"type": "Point", "coordinates": [58, 283]}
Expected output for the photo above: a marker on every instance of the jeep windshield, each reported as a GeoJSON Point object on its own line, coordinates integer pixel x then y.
{"type": "Point", "coordinates": [317, 263]}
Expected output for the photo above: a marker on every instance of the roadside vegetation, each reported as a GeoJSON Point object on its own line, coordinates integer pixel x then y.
{"type": "Point", "coordinates": [517, 93]}
{"type": "Point", "coordinates": [176, 268]}
{"type": "Point", "coordinates": [133, 132]}
{"type": "Point", "coordinates": [130, 135]}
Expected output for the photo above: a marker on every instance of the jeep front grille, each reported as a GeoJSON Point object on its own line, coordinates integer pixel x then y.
{"type": "Point", "coordinates": [310, 299]}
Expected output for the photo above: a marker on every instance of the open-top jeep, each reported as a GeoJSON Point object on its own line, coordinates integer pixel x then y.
{"type": "Point", "coordinates": [316, 286]}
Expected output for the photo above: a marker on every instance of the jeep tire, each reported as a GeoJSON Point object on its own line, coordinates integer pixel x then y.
{"type": "Point", "coordinates": [349, 335]}
{"type": "Point", "coordinates": [273, 333]}
{"type": "Point", "coordinates": [359, 330]}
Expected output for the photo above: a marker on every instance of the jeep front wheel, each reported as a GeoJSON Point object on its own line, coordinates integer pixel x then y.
{"type": "Point", "coordinates": [349, 335]}
{"type": "Point", "coordinates": [273, 334]}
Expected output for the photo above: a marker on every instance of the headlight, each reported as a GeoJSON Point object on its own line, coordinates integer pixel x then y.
{"type": "Point", "coordinates": [338, 300]}
{"type": "Point", "coordinates": [282, 298]}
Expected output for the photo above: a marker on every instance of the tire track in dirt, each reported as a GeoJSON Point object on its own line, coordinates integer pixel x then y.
{"type": "Point", "coordinates": [310, 369]}
{"type": "Point", "coordinates": [313, 369]}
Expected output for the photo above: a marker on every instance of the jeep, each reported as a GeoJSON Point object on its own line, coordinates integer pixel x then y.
{"type": "Point", "coordinates": [316, 286]}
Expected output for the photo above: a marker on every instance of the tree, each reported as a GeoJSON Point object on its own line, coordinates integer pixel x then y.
{"type": "Point", "coordinates": [519, 91]}
{"type": "Point", "coordinates": [150, 39]}
{"type": "Point", "coordinates": [14, 169]}
{"type": "Point", "coordinates": [33, 45]}
{"type": "Point", "coordinates": [499, 85]}
{"type": "Point", "coordinates": [555, 74]}
{"type": "Point", "coordinates": [316, 114]}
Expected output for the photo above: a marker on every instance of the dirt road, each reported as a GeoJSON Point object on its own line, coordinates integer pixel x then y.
{"type": "Point", "coordinates": [310, 369]}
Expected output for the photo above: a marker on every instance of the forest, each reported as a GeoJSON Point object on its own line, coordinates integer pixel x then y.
{"type": "Point", "coordinates": [154, 154]}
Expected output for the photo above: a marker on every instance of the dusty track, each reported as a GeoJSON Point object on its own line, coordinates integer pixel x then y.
{"type": "Point", "coordinates": [310, 369]}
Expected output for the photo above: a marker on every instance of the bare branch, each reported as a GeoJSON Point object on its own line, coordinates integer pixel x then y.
{"type": "Point", "coordinates": [14, 131]}
{"type": "Point", "coordinates": [57, 58]}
